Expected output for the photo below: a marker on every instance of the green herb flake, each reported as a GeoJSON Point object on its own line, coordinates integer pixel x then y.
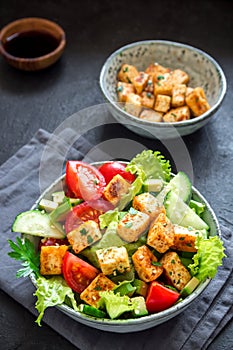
{"type": "Point", "coordinates": [181, 238]}
{"type": "Point", "coordinates": [173, 261]}
{"type": "Point", "coordinates": [89, 239]}
{"type": "Point", "coordinates": [83, 232]}
{"type": "Point", "coordinates": [160, 77]}
{"type": "Point", "coordinates": [120, 88]}
{"type": "Point", "coordinates": [98, 288]}
{"type": "Point", "coordinates": [148, 94]}
{"type": "Point", "coordinates": [174, 115]}
{"type": "Point", "coordinates": [126, 69]}
{"type": "Point", "coordinates": [96, 182]}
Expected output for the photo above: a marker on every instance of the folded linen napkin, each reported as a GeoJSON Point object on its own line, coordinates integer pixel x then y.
{"type": "Point", "coordinates": [193, 329]}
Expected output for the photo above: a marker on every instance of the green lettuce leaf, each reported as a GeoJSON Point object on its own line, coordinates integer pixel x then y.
{"type": "Point", "coordinates": [150, 165]}
{"type": "Point", "coordinates": [51, 292]}
{"type": "Point", "coordinates": [208, 257]}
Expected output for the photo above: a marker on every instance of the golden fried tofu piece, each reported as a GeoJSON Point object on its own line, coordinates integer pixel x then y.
{"type": "Point", "coordinates": [184, 239]}
{"type": "Point", "coordinates": [148, 204]}
{"type": "Point", "coordinates": [91, 294]}
{"type": "Point", "coordinates": [197, 102]}
{"type": "Point", "coordinates": [127, 73]}
{"type": "Point", "coordinates": [51, 258]}
{"type": "Point", "coordinates": [162, 103]}
{"type": "Point", "coordinates": [145, 264]}
{"type": "Point", "coordinates": [84, 235]}
{"type": "Point", "coordinates": [115, 189]}
{"type": "Point", "coordinates": [156, 69]}
{"type": "Point", "coordinates": [178, 95]}
{"type": "Point", "coordinates": [161, 233]}
{"type": "Point", "coordinates": [163, 84]}
{"type": "Point", "coordinates": [148, 99]}
{"type": "Point", "coordinates": [174, 271]}
{"type": "Point", "coordinates": [123, 89]}
{"type": "Point", "coordinates": [113, 260]}
{"type": "Point", "coordinates": [140, 81]}
{"type": "Point", "coordinates": [177, 114]}
{"type": "Point", "coordinates": [133, 104]}
{"type": "Point", "coordinates": [178, 76]}
{"type": "Point", "coordinates": [151, 115]}
{"type": "Point", "coordinates": [133, 225]}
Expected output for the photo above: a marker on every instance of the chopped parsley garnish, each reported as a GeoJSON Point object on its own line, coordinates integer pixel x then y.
{"type": "Point", "coordinates": [126, 69]}
{"type": "Point", "coordinates": [83, 232]}
{"type": "Point", "coordinates": [156, 263]}
{"type": "Point", "coordinates": [89, 239]}
{"type": "Point", "coordinates": [160, 77]}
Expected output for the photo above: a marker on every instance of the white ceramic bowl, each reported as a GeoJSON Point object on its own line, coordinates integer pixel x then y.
{"type": "Point", "coordinates": [134, 324]}
{"type": "Point", "coordinates": [203, 70]}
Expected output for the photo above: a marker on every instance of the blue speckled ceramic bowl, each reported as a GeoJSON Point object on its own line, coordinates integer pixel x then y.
{"type": "Point", "coordinates": [203, 70]}
{"type": "Point", "coordinates": [141, 323]}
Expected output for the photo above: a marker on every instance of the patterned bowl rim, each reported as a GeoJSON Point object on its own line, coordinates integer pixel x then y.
{"type": "Point", "coordinates": [196, 120]}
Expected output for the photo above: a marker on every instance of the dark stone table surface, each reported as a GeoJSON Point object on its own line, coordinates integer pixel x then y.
{"type": "Point", "coordinates": [94, 29]}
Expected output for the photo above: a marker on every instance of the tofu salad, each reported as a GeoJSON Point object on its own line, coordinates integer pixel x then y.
{"type": "Point", "coordinates": [120, 241]}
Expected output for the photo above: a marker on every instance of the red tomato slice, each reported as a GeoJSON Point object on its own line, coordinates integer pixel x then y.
{"type": "Point", "coordinates": [84, 180]}
{"type": "Point", "coordinates": [160, 298]}
{"type": "Point", "coordinates": [77, 272]}
{"type": "Point", "coordinates": [79, 214]}
{"type": "Point", "coordinates": [110, 169]}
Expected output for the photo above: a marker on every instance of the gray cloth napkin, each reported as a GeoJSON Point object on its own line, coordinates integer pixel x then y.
{"type": "Point", "coordinates": [195, 328]}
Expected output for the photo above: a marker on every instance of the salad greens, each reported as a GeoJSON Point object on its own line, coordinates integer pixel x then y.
{"type": "Point", "coordinates": [210, 253]}
{"type": "Point", "coordinates": [25, 251]}
{"type": "Point", "coordinates": [51, 292]}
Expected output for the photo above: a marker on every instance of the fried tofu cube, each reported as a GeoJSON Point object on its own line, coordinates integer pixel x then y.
{"type": "Point", "coordinates": [145, 264]}
{"type": "Point", "coordinates": [162, 103]}
{"type": "Point", "coordinates": [51, 258]}
{"type": "Point", "coordinates": [161, 233]}
{"type": "Point", "coordinates": [113, 260]}
{"type": "Point", "coordinates": [178, 95]}
{"type": "Point", "coordinates": [184, 239]}
{"type": "Point", "coordinates": [127, 73]}
{"type": "Point", "coordinates": [177, 114]}
{"type": "Point", "coordinates": [115, 189]}
{"type": "Point", "coordinates": [178, 76]}
{"type": "Point", "coordinates": [197, 102]}
{"type": "Point", "coordinates": [133, 104]}
{"type": "Point", "coordinates": [151, 115]}
{"type": "Point", "coordinates": [132, 226]}
{"type": "Point", "coordinates": [140, 81]}
{"type": "Point", "coordinates": [174, 271]}
{"type": "Point", "coordinates": [84, 235]}
{"type": "Point", "coordinates": [148, 99]}
{"type": "Point", "coordinates": [91, 295]}
{"type": "Point", "coordinates": [156, 69]}
{"type": "Point", "coordinates": [123, 89]}
{"type": "Point", "coordinates": [163, 84]}
{"type": "Point", "coordinates": [148, 204]}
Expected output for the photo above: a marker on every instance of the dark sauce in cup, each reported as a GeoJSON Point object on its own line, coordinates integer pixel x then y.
{"type": "Point", "coordinates": [30, 44]}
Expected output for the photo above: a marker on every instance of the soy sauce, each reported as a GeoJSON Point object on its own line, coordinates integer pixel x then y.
{"type": "Point", "coordinates": [30, 44]}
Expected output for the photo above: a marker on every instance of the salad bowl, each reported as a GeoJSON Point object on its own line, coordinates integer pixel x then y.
{"type": "Point", "coordinates": [139, 323]}
{"type": "Point", "coordinates": [144, 314]}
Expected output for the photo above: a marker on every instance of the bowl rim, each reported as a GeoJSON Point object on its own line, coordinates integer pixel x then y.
{"type": "Point", "coordinates": [167, 314]}
{"type": "Point", "coordinates": [57, 50]}
{"type": "Point", "coordinates": [179, 124]}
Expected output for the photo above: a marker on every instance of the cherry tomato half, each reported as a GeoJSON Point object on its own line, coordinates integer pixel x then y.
{"type": "Point", "coordinates": [77, 272]}
{"type": "Point", "coordinates": [79, 214]}
{"type": "Point", "coordinates": [160, 298]}
{"type": "Point", "coordinates": [84, 180]}
{"type": "Point", "coordinates": [110, 169]}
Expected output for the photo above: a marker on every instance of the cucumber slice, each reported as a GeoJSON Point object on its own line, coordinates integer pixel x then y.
{"type": "Point", "coordinates": [180, 213]}
{"type": "Point", "coordinates": [181, 185]}
{"type": "Point", "coordinates": [36, 223]}
{"type": "Point", "coordinates": [92, 311]}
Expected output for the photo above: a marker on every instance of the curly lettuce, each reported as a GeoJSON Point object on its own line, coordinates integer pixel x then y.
{"type": "Point", "coordinates": [150, 165]}
{"type": "Point", "coordinates": [52, 292]}
{"type": "Point", "coordinates": [208, 258]}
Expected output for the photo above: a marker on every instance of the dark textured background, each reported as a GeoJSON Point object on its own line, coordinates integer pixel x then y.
{"type": "Point", "coordinates": [94, 29]}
